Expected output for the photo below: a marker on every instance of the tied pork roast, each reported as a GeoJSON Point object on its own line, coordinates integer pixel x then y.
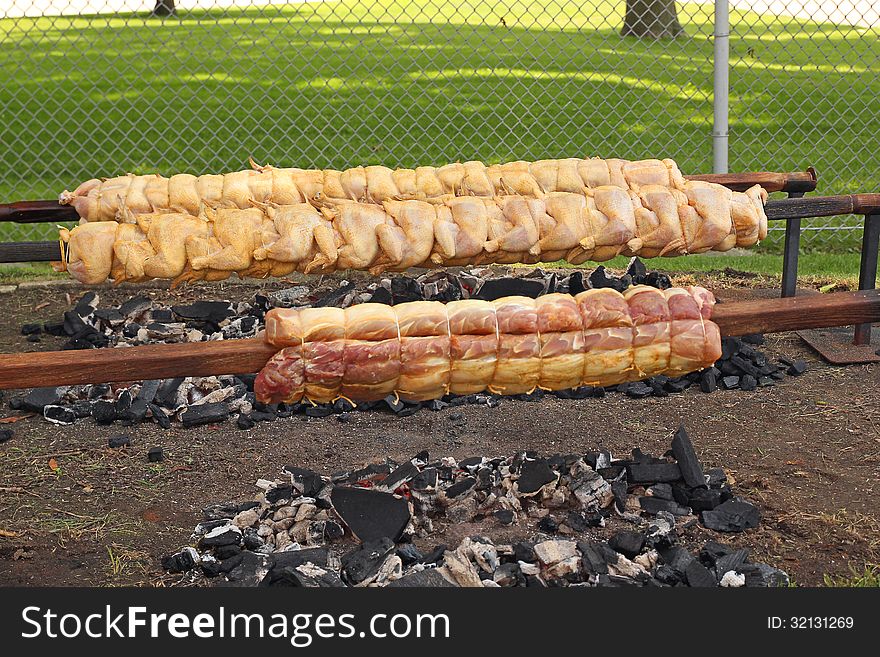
{"type": "Point", "coordinates": [425, 349]}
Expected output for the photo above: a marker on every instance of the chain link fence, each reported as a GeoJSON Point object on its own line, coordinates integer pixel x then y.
{"type": "Point", "coordinates": [99, 87]}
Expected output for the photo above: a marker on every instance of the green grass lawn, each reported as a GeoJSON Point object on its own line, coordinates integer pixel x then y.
{"type": "Point", "coordinates": [424, 82]}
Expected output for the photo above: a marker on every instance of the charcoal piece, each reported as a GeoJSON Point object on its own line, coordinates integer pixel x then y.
{"type": "Point", "coordinates": [658, 279]}
{"type": "Point", "coordinates": [398, 477]}
{"type": "Point", "coordinates": [460, 487]}
{"type": "Point", "coordinates": [712, 551]}
{"type": "Point", "coordinates": [611, 472]}
{"type": "Point", "coordinates": [213, 568]}
{"type": "Point", "coordinates": [123, 402]}
{"type": "Point", "coordinates": [686, 456]}
{"type": "Point", "coordinates": [428, 578]}
{"type": "Point", "coordinates": [364, 562]}
{"type": "Point", "coordinates": [678, 385]}
{"type": "Point", "coordinates": [131, 330]}
{"type": "Point", "coordinates": [666, 575]}
{"type": "Point", "coordinates": [600, 278]}
{"type": "Point", "coordinates": [371, 514]}
{"type": "Point", "coordinates": [33, 338]}
{"type": "Point", "coordinates": [504, 516]}
{"type": "Point", "coordinates": [409, 408]}
{"type": "Point", "coordinates": [548, 525]}
{"type": "Point", "coordinates": [656, 505]}
{"type": "Point", "coordinates": [578, 521]}
{"type": "Point", "coordinates": [661, 491]}
{"type": "Point", "coordinates": [425, 480]}
{"type": "Point", "coordinates": [745, 366]}
{"type": "Point", "coordinates": [715, 477]}
{"type": "Point", "coordinates": [697, 575]}
{"type": "Point", "coordinates": [214, 413]}
{"type": "Point", "coordinates": [155, 455]}
{"type": "Point", "coordinates": [104, 411]}
{"type": "Point", "coordinates": [576, 283]}
{"type": "Point", "coordinates": [709, 380]}
{"type": "Point", "coordinates": [596, 557]}
{"type": "Point", "coordinates": [636, 270]}
{"type": "Point", "coordinates": [166, 394]}
{"type": "Point", "coordinates": [38, 398]}
{"type": "Point", "coordinates": [534, 475]}
{"type": "Point", "coordinates": [497, 288]}
{"type": "Point", "coordinates": [405, 289]}
{"type": "Point", "coordinates": [730, 347]}
{"type": "Point", "coordinates": [59, 414]}
{"type": "Point", "coordinates": [435, 556]}
{"type": "Point", "coordinates": [731, 561]}
{"type": "Point", "coordinates": [321, 410]}
{"type": "Point", "coordinates": [732, 516]}
{"type": "Point", "coordinates": [524, 551]}
{"type": "Point", "coordinates": [82, 408]}
{"type": "Point", "coordinates": [135, 307]}
{"type": "Point", "coordinates": [766, 381]}
{"type": "Point", "coordinates": [639, 390]}
{"type": "Point", "coordinates": [652, 472]}
{"type": "Point", "coordinates": [677, 558]}
{"type": "Point", "coordinates": [120, 440]}
{"type": "Point", "coordinates": [282, 492]}
{"type": "Point", "coordinates": [748, 383]}
{"type": "Point", "coordinates": [262, 416]}
{"type": "Point", "coordinates": [74, 323]}
{"type": "Point", "coordinates": [98, 390]}
{"type": "Point", "coordinates": [343, 405]}
{"type": "Point", "coordinates": [148, 390]}
{"type": "Point", "coordinates": [247, 570]}
{"type": "Point", "coordinates": [308, 482]}
{"type": "Point", "coordinates": [210, 312]}
{"type": "Point", "coordinates": [618, 489]}
{"type": "Point", "coordinates": [704, 499]}
{"type": "Point", "coordinates": [307, 576]}
{"type": "Point", "coordinates": [730, 382]}
{"type": "Point", "coordinates": [159, 416]}
{"type": "Point", "coordinates": [55, 329]}
{"type": "Point", "coordinates": [251, 540]}
{"type": "Point", "coordinates": [409, 554]}
{"type": "Point", "coordinates": [161, 315]}
{"type": "Point", "coordinates": [336, 297]}
{"type": "Point", "coordinates": [87, 303]}
{"type": "Point", "coordinates": [797, 368]}
{"type": "Point", "coordinates": [382, 295]}
{"type": "Point", "coordinates": [135, 413]}
{"type": "Point", "coordinates": [31, 329]}
{"type": "Point", "coordinates": [224, 534]}
{"type": "Point", "coordinates": [247, 380]}
{"type": "Point", "coordinates": [754, 338]}
{"type": "Point", "coordinates": [244, 422]}
{"type": "Point", "coordinates": [224, 552]}
{"type": "Point", "coordinates": [6, 435]}
{"type": "Point", "coordinates": [180, 562]}
{"type": "Point", "coordinates": [628, 543]}
{"type": "Point", "coordinates": [658, 386]}
{"type": "Point", "coordinates": [760, 574]}
{"type": "Point", "coordinates": [109, 317]}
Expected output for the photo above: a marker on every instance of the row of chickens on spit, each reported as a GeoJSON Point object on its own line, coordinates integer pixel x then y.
{"type": "Point", "coordinates": [269, 221]}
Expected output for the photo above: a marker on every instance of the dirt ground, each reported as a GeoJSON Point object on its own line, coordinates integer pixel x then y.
{"type": "Point", "coordinates": [74, 512]}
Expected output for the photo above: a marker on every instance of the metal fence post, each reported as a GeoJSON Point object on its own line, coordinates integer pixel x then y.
{"type": "Point", "coordinates": [721, 87]}
{"type": "Point", "coordinates": [790, 253]}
